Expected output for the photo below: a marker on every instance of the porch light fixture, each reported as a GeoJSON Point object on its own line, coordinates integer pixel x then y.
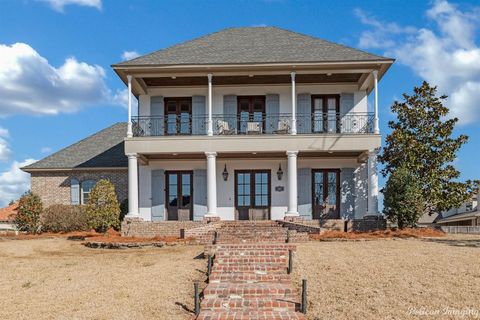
{"type": "Point", "coordinates": [279, 172]}
{"type": "Point", "coordinates": [225, 173]}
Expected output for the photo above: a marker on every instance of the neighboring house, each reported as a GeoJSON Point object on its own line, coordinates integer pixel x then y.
{"type": "Point", "coordinates": [7, 216]}
{"type": "Point", "coordinates": [466, 215]}
{"type": "Point", "coordinates": [244, 123]}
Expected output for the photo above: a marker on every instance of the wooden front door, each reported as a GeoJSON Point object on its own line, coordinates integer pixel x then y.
{"type": "Point", "coordinates": [326, 193]}
{"type": "Point", "coordinates": [252, 194]}
{"type": "Point", "coordinates": [179, 195]}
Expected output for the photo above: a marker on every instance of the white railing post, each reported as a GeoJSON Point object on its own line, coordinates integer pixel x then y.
{"type": "Point", "coordinates": [292, 184]}
{"type": "Point", "coordinates": [376, 127]}
{"type": "Point", "coordinates": [129, 125]}
{"type": "Point", "coordinates": [210, 107]}
{"type": "Point", "coordinates": [294, 105]}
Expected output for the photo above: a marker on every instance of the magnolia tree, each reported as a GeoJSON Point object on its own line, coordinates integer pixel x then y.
{"type": "Point", "coordinates": [28, 213]}
{"type": "Point", "coordinates": [422, 146]}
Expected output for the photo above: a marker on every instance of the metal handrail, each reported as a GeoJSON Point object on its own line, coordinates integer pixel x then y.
{"type": "Point", "coordinates": [246, 124]}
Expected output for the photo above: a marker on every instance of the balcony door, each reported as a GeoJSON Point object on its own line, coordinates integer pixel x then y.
{"type": "Point", "coordinates": [179, 191]}
{"type": "Point", "coordinates": [326, 113]}
{"type": "Point", "coordinates": [251, 114]}
{"type": "Point", "coordinates": [178, 115]}
{"type": "Point", "coordinates": [252, 194]}
{"type": "Point", "coordinates": [326, 193]}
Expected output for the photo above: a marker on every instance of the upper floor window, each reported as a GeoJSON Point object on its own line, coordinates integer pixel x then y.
{"type": "Point", "coordinates": [326, 113]}
{"type": "Point", "coordinates": [86, 188]}
{"type": "Point", "coordinates": [251, 113]}
{"type": "Point", "coordinates": [178, 113]}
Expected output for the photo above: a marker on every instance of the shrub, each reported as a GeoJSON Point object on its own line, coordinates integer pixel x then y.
{"type": "Point", "coordinates": [103, 210]}
{"type": "Point", "coordinates": [64, 218]}
{"type": "Point", "coordinates": [28, 213]}
{"type": "Point", "coordinates": [403, 198]}
{"type": "Point", "coordinates": [123, 209]}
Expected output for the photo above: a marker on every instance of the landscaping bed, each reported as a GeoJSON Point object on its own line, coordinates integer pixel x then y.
{"type": "Point", "coordinates": [380, 234]}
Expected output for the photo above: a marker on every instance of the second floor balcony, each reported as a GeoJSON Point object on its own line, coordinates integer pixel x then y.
{"type": "Point", "coordinates": [253, 124]}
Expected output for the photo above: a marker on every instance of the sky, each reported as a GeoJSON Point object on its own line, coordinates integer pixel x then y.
{"type": "Point", "coordinates": [57, 87]}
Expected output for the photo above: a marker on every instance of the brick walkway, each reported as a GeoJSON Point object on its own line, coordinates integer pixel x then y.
{"type": "Point", "coordinates": [249, 277]}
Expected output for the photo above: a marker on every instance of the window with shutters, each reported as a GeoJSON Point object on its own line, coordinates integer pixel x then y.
{"type": "Point", "coordinates": [85, 189]}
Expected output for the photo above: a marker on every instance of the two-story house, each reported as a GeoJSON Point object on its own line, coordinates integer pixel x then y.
{"type": "Point", "coordinates": [245, 123]}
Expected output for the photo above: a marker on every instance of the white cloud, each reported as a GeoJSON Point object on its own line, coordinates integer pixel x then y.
{"type": "Point", "coordinates": [447, 56]}
{"type": "Point", "coordinates": [45, 149]}
{"type": "Point", "coordinates": [59, 5]}
{"type": "Point", "coordinates": [129, 55]}
{"type": "Point", "coordinates": [5, 151]}
{"type": "Point", "coordinates": [120, 98]}
{"type": "Point", "coordinates": [14, 182]}
{"type": "Point", "coordinates": [30, 85]}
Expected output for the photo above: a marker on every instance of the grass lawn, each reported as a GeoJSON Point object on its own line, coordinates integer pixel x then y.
{"type": "Point", "coordinates": [380, 279]}
{"type": "Point", "coordinates": [391, 279]}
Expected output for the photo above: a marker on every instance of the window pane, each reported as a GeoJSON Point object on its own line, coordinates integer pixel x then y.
{"type": "Point", "coordinates": [332, 188]}
{"type": "Point", "coordinates": [318, 186]}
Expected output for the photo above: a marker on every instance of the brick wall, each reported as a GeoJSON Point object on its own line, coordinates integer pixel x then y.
{"type": "Point", "coordinates": [150, 229]}
{"type": "Point", "coordinates": [54, 186]}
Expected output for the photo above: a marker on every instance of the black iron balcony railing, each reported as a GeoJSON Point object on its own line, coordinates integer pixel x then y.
{"type": "Point", "coordinates": [251, 124]}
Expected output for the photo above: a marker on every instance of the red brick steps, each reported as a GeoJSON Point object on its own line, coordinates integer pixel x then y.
{"type": "Point", "coordinates": [249, 277]}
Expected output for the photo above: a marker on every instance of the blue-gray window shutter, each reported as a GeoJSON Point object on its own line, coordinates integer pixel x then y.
{"type": "Point", "coordinates": [304, 113]}
{"type": "Point", "coordinates": [272, 112]}
{"type": "Point", "coordinates": [199, 194]}
{"type": "Point", "coordinates": [347, 193]}
{"type": "Point", "coordinates": [75, 191]}
{"type": "Point", "coordinates": [346, 105]}
{"type": "Point", "coordinates": [157, 113]}
{"type": "Point", "coordinates": [158, 195]}
{"type": "Point", "coordinates": [304, 183]}
{"type": "Point", "coordinates": [199, 112]}
{"type": "Point", "coordinates": [230, 111]}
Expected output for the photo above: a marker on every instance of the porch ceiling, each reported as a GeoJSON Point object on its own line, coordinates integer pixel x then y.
{"type": "Point", "coordinates": [249, 80]}
{"type": "Point", "coordinates": [251, 155]}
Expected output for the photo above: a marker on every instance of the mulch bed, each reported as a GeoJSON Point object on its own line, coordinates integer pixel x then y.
{"type": "Point", "coordinates": [381, 234]}
{"type": "Point", "coordinates": [109, 240]}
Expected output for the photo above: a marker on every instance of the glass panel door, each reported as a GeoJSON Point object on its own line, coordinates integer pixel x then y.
{"type": "Point", "coordinates": [252, 191]}
{"type": "Point", "coordinates": [326, 193]}
{"type": "Point", "coordinates": [332, 114]}
{"type": "Point", "coordinates": [179, 195]}
{"type": "Point", "coordinates": [178, 114]}
{"type": "Point", "coordinates": [251, 114]}
{"type": "Point", "coordinates": [244, 114]}
{"type": "Point", "coordinates": [318, 115]}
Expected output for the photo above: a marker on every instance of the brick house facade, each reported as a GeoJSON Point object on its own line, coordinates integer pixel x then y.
{"type": "Point", "coordinates": [54, 187]}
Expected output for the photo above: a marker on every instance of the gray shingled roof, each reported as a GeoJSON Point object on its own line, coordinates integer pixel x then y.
{"type": "Point", "coordinates": [252, 45]}
{"type": "Point", "coordinates": [103, 149]}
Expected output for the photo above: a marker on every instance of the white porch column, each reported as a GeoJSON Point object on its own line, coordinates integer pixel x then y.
{"type": "Point", "coordinates": [294, 106]}
{"type": "Point", "coordinates": [292, 184]}
{"type": "Point", "coordinates": [372, 200]}
{"type": "Point", "coordinates": [210, 107]}
{"type": "Point", "coordinates": [132, 186]}
{"type": "Point", "coordinates": [211, 184]}
{"type": "Point", "coordinates": [376, 128]}
{"type": "Point", "coordinates": [129, 125]}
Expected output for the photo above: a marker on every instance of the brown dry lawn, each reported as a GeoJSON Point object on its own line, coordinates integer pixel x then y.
{"type": "Point", "coordinates": [62, 279]}
{"type": "Point", "coordinates": [378, 279]}
{"type": "Point", "coordinates": [392, 279]}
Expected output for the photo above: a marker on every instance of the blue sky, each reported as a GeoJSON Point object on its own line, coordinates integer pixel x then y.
{"type": "Point", "coordinates": [56, 84]}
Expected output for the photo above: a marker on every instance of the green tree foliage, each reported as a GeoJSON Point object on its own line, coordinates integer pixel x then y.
{"type": "Point", "coordinates": [28, 213]}
{"type": "Point", "coordinates": [421, 142]}
{"type": "Point", "coordinates": [103, 210]}
{"type": "Point", "coordinates": [403, 200]}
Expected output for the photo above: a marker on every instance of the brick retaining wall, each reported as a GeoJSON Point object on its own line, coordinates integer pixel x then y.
{"type": "Point", "coordinates": [150, 229]}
